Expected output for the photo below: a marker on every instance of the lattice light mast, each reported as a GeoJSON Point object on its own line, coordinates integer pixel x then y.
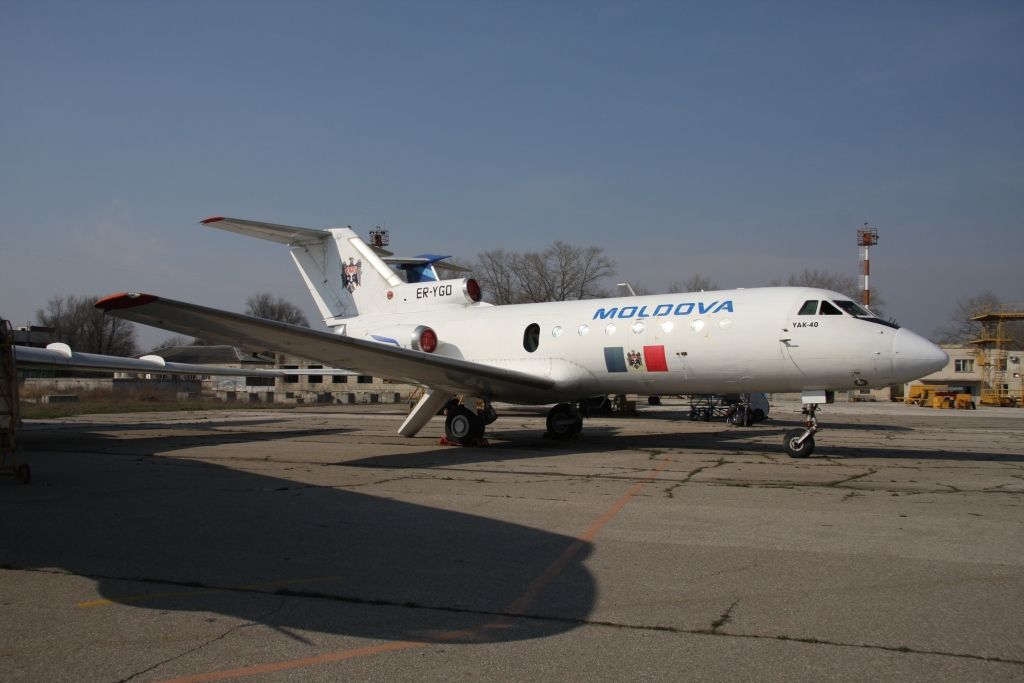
{"type": "Point", "coordinates": [380, 237]}
{"type": "Point", "coordinates": [866, 237]}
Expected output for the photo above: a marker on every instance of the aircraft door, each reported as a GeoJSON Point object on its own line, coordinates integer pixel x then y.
{"type": "Point", "coordinates": [796, 336]}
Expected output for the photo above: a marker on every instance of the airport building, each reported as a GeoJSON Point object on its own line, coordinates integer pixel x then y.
{"type": "Point", "coordinates": [967, 372]}
{"type": "Point", "coordinates": [979, 374]}
{"type": "Point", "coordinates": [304, 382]}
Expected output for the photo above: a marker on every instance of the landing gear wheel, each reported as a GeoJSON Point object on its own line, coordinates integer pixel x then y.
{"type": "Point", "coordinates": [463, 426]}
{"type": "Point", "coordinates": [794, 447]}
{"type": "Point", "coordinates": [564, 421]}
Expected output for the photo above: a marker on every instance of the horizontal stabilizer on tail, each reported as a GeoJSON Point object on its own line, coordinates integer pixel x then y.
{"type": "Point", "coordinates": [282, 234]}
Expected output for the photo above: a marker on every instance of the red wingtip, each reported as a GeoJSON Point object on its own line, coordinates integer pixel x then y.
{"type": "Point", "coordinates": [124, 300]}
{"type": "Point", "coordinates": [211, 219]}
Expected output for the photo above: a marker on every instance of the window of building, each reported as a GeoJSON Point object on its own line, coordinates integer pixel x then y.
{"type": "Point", "coordinates": [316, 379]}
{"type": "Point", "coordinates": [339, 379]}
{"type": "Point", "coordinates": [259, 381]}
{"type": "Point", "coordinates": [290, 379]}
{"type": "Point", "coordinates": [963, 365]}
{"type": "Point", "coordinates": [365, 379]}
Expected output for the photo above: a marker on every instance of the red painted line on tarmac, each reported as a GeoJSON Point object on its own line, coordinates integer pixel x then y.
{"type": "Point", "coordinates": [517, 606]}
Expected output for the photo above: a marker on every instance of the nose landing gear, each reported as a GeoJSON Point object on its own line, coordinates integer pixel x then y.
{"type": "Point", "coordinates": [564, 421]}
{"type": "Point", "coordinates": [799, 443]}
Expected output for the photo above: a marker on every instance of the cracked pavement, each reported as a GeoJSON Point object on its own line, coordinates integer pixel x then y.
{"type": "Point", "coordinates": [317, 542]}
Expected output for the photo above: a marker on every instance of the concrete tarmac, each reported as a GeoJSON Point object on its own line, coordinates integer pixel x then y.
{"type": "Point", "coordinates": [317, 544]}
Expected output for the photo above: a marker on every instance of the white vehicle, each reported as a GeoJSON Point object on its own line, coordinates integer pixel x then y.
{"type": "Point", "coordinates": [405, 323]}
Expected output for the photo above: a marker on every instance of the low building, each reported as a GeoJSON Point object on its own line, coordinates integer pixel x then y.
{"type": "Point", "coordinates": [964, 371]}
{"type": "Point", "coordinates": [306, 382]}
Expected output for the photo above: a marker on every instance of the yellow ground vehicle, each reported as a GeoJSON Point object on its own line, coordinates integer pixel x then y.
{"type": "Point", "coordinates": [939, 396]}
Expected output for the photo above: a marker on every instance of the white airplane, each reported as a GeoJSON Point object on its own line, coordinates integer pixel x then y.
{"type": "Point", "coordinates": [406, 324]}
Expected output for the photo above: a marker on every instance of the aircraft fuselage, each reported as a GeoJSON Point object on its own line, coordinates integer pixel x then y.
{"type": "Point", "coordinates": [741, 340]}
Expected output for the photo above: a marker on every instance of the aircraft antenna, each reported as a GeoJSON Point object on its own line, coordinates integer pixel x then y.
{"type": "Point", "coordinates": [866, 237]}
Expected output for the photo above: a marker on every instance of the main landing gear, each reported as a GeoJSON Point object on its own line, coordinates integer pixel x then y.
{"type": "Point", "coordinates": [799, 443]}
{"type": "Point", "coordinates": [465, 427]}
{"type": "Point", "coordinates": [564, 421]}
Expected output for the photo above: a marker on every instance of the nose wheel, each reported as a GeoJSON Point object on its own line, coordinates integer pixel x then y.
{"type": "Point", "coordinates": [799, 443]}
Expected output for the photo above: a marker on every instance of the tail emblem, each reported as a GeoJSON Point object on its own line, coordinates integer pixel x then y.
{"type": "Point", "coordinates": [351, 274]}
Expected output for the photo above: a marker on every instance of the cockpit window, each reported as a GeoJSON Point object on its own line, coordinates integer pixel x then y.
{"type": "Point", "coordinates": [810, 307]}
{"type": "Point", "coordinates": [853, 309]}
{"type": "Point", "coordinates": [862, 313]}
{"type": "Point", "coordinates": [829, 309]}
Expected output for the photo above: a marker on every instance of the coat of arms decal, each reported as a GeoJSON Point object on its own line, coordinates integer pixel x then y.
{"type": "Point", "coordinates": [351, 274]}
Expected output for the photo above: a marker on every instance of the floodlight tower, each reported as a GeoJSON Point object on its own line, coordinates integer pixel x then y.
{"type": "Point", "coordinates": [866, 237]}
{"type": "Point", "coordinates": [380, 237]}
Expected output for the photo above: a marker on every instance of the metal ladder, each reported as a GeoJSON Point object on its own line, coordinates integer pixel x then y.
{"type": "Point", "coordinates": [10, 417]}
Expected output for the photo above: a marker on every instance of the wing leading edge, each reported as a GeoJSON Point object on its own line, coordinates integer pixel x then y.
{"type": "Point", "coordinates": [440, 372]}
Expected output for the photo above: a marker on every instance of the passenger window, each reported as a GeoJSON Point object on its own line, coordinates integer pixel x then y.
{"type": "Point", "coordinates": [531, 337]}
{"type": "Point", "coordinates": [809, 308]}
{"type": "Point", "coordinates": [829, 309]}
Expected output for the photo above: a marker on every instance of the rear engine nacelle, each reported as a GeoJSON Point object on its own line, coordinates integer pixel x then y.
{"type": "Point", "coordinates": [421, 295]}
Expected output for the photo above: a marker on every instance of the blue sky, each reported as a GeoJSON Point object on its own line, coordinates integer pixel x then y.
{"type": "Point", "coordinates": [744, 141]}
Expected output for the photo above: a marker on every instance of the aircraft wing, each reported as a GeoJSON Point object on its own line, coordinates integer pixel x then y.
{"type": "Point", "coordinates": [454, 375]}
{"type": "Point", "coordinates": [60, 356]}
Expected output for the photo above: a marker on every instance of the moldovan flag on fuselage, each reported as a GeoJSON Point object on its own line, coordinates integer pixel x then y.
{"type": "Point", "coordinates": [651, 359]}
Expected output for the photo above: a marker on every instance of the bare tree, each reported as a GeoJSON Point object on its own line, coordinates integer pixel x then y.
{"type": "Point", "coordinates": [495, 271]}
{"type": "Point", "coordinates": [266, 305]}
{"type": "Point", "coordinates": [78, 323]}
{"type": "Point", "coordinates": [562, 272]}
{"type": "Point", "coordinates": [176, 340]}
{"type": "Point", "coordinates": [695, 283]}
{"type": "Point", "coordinates": [844, 284]}
{"type": "Point", "coordinates": [960, 329]}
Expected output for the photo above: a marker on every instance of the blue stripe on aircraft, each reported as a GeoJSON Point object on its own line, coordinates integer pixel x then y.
{"type": "Point", "coordinates": [386, 340]}
{"type": "Point", "coordinates": [613, 359]}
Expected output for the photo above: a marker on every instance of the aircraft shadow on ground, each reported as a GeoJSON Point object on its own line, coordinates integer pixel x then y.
{"type": "Point", "coordinates": [371, 567]}
{"type": "Point", "coordinates": [42, 426]}
{"type": "Point", "coordinates": [510, 445]}
{"type": "Point", "coordinates": [93, 437]}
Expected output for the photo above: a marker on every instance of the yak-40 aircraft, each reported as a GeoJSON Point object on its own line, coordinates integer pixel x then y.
{"type": "Point", "coordinates": [394, 317]}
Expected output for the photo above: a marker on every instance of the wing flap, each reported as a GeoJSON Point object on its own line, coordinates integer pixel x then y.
{"type": "Point", "coordinates": [452, 374]}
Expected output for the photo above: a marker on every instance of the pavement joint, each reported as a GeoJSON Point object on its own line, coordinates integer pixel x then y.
{"type": "Point", "coordinates": [210, 641]}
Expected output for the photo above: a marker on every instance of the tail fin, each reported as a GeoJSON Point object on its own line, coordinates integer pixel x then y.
{"type": "Point", "coordinates": [343, 273]}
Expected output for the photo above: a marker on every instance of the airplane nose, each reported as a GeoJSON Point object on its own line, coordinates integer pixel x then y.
{"type": "Point", "coordinates": [914, 356]}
